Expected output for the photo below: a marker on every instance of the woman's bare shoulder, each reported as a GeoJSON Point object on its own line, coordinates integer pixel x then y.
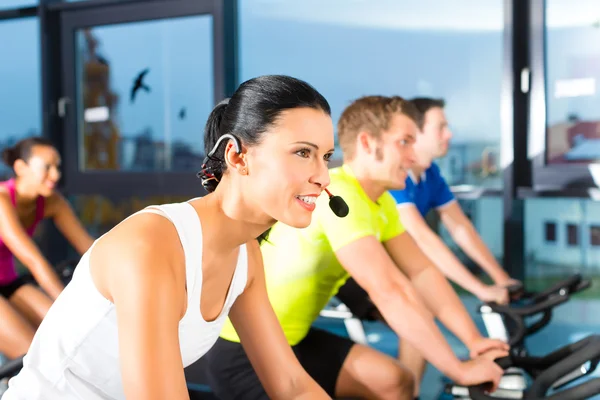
{"type": "Point", "coordinates": [143, 249]}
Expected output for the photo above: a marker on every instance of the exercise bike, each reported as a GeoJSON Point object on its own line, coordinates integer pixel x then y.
{"type": "Point", "coordinates": [550, 373]}
{"type": "Point", "coordinates": [500, 328]}
{"type": "Point", "coordinates": [507, 323]}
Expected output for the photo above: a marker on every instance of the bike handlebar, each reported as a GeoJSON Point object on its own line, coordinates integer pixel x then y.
{"type": "Point", "coordinates": [532, 309]}
{"type": "Point", "coordinates": [568, 285]}
{"type": "Point", "coordinates": [557, 364]}
{"type": "Point", "coordinates": [517, 314]}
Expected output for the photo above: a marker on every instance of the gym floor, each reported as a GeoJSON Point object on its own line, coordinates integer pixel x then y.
{"type": "Point", "coordinates": [570, 322]}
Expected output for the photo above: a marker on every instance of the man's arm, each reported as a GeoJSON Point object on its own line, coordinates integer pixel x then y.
{"type": "Point", "coordinates": [437, 292]}
{"type": "Point", "coordinates": [442, 256]}
{"type": "Point", "coordinates": [264, 342]}
{"type": "Point", "coordinates": [465, 235]}
{"type": "Point", "coordinates": [370, 265]}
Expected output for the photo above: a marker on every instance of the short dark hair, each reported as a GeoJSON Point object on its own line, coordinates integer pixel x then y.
{"type": "Point", "coordinates": [253, 108]}
{"type": "Point", "coordinates": [22, 149]}
{"type": "Point", "coordinates": [424, 104]}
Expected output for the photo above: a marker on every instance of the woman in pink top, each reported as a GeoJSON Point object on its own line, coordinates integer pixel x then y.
{"type": "Point", "coordinates": [24, 201]}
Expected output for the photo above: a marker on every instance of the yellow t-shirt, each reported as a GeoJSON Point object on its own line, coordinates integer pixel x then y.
{"type": "Point", "coordinates": [301, 270]}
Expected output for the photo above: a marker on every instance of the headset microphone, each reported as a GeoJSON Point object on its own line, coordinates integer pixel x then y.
{"type": "Point", "coordinates": [337, 205]}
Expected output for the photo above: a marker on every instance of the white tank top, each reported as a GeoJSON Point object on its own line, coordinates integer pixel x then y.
{"type": "Point", "coordinates": [75, 351]}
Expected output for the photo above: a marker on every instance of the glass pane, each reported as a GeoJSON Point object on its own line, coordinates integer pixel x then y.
{"type": "Point", "coordinates": [572, 235]}
{"type": "Point", "coordinates": [485, 214]}
{"type": "Point", "coordinates": [17, 3]}
{"type": "Point", "coordinates": [452, 50]}
{"type": "Point", "coordinates": [99, 214]}
{"type": "Point", "coordinates": [550, 232]}
{"type": "Point", "coordinates": [569, 246]}
{"type": "Point", "coordinates": [146, 112]}
{"type": "Point", "coordinates": [572, 251]}
{"type": "Point", "coordinates": [20, 86]}
{"type": "Point", "coordinates": [573, 80]}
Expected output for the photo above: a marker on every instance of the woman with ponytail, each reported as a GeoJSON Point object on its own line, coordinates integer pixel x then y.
{"type": "Point", "coordinates": [25, 200]}
{"type": "Point", "coordinates": [150, 296]}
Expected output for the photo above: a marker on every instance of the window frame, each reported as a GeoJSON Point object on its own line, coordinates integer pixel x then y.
{"type": "Point", "coordinates": [553, 178]}
{"type": "Point", "coordinates": [554, 224]}
{"type": "Point", "coordinates": [125, 183]}
{"type": "Point", "coordinates": [590, 228]}
{"type": "Point", "coordinates": [568, 226]}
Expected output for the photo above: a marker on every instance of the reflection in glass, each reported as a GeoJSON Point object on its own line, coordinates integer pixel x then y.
{"type": "Point", "coordinates": [99, 214]}
{"type": "Point", "coordinates": [430, 48]}
{"type": "Point", "coordinates": [485, 214]}
{"type": "Point", "coordinates": [145, 92]}
{"type": "Point", "coordinates": [573, 81]}
{"type": "Point", "coordinates": [20, 85]}
{"type": "Point", "coordinates": [562, 237]}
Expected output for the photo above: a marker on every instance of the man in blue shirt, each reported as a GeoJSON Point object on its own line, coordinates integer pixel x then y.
{"type": "Point", "coordinates": [427, 190]}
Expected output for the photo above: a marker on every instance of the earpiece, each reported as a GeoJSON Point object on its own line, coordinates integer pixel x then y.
{"type": "Point", "coordinates": [206, 174]}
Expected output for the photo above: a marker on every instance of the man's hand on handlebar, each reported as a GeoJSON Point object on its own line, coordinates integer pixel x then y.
{"type": "Point", "coordinates": [496, 294]}
{"type": "Point", "coordinates": [478, 371]}
{"type": "Point", "coordinates": [494, 354]}
{"type": "Point", "coordinates": [515, 288]}
{"type": "Point", "coordinates": [510, 282]}
{"type": "Point", "coordinates": [484, 345]}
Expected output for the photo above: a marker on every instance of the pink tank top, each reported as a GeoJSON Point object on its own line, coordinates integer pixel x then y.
{"type": "Point", "coordinates": [8, 273]}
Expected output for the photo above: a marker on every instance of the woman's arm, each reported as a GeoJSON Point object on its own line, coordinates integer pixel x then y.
{"type": "Point", "coordinates": [68, 224]}
{"type": "Point", "coordinates": [261, 335]}
{"type": "Point", "coordinates": [24, 248]}
{"type": "Point", "coordinates": [142, 272]}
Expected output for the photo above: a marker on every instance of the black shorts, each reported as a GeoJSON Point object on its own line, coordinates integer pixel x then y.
{"type": "Point", "coordinates": [8, 289]}
{"type": "Point", "coordinates": [357, 300]}
{"type": "Point", "coordinates": [231, 376]}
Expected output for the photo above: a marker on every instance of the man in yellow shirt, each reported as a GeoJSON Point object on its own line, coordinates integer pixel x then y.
{"type": "Point", "coordinates": [305, 267]}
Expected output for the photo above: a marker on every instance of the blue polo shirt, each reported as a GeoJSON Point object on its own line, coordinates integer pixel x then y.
{"type": "Point", "coordinates": [431, 191]}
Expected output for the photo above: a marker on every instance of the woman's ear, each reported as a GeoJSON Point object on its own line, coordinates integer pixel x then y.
{"type": "Point", "coordinates": [234, 160]}
{"type": "Point", "coordinates": [19, 166]}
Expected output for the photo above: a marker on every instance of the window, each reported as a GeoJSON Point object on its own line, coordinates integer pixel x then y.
{"type": "Point", "coordinates": [144, 113]}
{"type": "Point", "coordinates": [595, 235]}
{"type": "Point", "coordinates": [553, 242]}
{"type": "Point", "coordinates": [100, 214]}
{"type": "Point", "coordinates": [572, 235]}
{"type": "Point", "coordinates": [550, 229]}
{"type": "Point", "coordinates": [7, 4]}
{"type": "Point", "coordinates": [20, 93]}
{"type": "Point", "coordinates": [425, 48]}
{"type": "Point", "coordinates": [485, 214]}
{"type": "Point", "coordinates": [573, 81]}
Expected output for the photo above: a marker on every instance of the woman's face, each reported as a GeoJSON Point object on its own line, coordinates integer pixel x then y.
{"type": "Point", "coordinates": [288, 170]}
{"type": "Point", "coordinates": [42, 170]}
